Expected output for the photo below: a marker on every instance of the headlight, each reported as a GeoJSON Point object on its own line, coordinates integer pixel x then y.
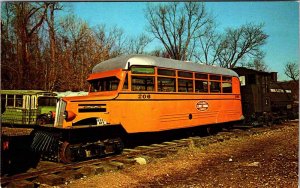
{"type": "Point", "coordinates": [51, 115]}
{"type": "Point", "coordinates": [65, 115]}
{"type": "Point", "coordinates": [69, 115]}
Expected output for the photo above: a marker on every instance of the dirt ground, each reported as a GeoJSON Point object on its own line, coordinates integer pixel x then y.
{"type": "Point", "coordinates": [269, 159]}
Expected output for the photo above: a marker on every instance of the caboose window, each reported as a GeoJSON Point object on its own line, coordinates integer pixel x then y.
{"type": "Point", "coordinates": [215, 87]}
{"type": "Point", "coordinates": [201, 86]}
{"type": "Point", "coordinates": [142, 83]}
{"type": "Point", "coordinates": [104, 84]}
{"type": "Point", "coordinates": [185, 85]}
{"type": "Point", "coordinates": [166, 84]}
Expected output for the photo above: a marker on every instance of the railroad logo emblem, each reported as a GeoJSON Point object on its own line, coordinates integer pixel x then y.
{"type": "Point", "coordinates": [202, 106]}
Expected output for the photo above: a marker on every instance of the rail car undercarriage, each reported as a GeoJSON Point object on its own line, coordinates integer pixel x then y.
{"type": "Point", "coordinates": [73, 145]}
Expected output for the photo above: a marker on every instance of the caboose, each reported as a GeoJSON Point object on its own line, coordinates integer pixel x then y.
{"type": "Point", "coordinates": [264, 100]}
{"type": "Point", "coordinates": [139, 94]}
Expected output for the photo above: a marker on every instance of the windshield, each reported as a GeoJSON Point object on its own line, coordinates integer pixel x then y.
{"type": "Point", "coordinates": [104, 84]}
{"type": "Point", "coordinates": [47, 101]}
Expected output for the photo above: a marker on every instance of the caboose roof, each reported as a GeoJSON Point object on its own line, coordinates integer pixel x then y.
{"type": "Point", "coordinates": [245, 70]}
{"type": "Point", "coordinates": [126, 61]}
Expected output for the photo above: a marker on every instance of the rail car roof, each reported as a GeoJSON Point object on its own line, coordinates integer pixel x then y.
{"type": "Point", "coordinates": [124, 62]}
{"type": "Point", "coordinates": [25, 92]}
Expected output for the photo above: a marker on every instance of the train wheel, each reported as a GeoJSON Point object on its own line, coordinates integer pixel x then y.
{"type": "Point", "coordinates": [42, 120]}
{"type": "Point", "coordinates": [270, 122]}
{"type": "Point", "coordinates": [65, 154]}
{"type": "Point", "coordinates": [212, 130]}
{"type": "Point", "coordinates": [119, 146]}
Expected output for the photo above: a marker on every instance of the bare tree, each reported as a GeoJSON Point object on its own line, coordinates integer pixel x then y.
{"type": "Point", "coordinates": [111, 41]}
{"type": "Point", "coordinates": [10, 67]}
{"type": "Point", "coordinates": [102, 41]}
{"type": "Point", "coordinates": [159, 52]}
{"type": "Point", "coordinates": [256, 64]}
{"type": "Point", "coordinates": [241, 42]}
{"type": "Point", "coordinates": [208, 44]}
{"type": "Point", "coordinates": [136, 45]}
{"type": "Point", "coordinates": [291, 70]}
{"type": "Point", "coordinates": [29, 18]}
{"type": "Point", "coordinates": [177, 25]}
{"type": "Point", "coordinates": [20, 24]}
{"type": "Point", "coordinates": [51, 71]}
{"type": "Point", "coordinates": [41, 52]}
{"type": "Point", "coordinates": [78, 39]}
{"type": "Point", "coordinates": [117, 41]}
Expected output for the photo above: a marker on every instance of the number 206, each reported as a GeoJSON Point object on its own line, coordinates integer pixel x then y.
{"type": "Point", "coordinates": [144, 96]}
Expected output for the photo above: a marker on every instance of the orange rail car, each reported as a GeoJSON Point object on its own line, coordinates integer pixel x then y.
{"type": "Point", "coordinates": [142, 93]}
{"type": "Point", "coordinates": [148, 94]}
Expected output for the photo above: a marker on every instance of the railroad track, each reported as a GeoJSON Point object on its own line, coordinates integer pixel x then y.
{"type": "Point", "coordinates": [49, 175]}
{"type": "Point", "coordinates": [64, 173]}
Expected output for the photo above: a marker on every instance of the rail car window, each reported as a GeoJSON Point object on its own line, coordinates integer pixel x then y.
{"type": "Point", "coordinates": [10, 100]}
{"type": "Point", "coordinates": [215, 87]}
{"type": "Point", "coordinates": [185, 74]}
{"type": "Point", "coordinates": [185, 85]}
{"type": "Point", "coordinates": [125, 86]}
{"type": "Point", "coordinates": [33, 101]}
{"type": "Point", "coordinates": [166, 84]}
{"type": "Point", "coordinates": [227, 87]}
{"type": "Point", "coordinates": [104, 84]}
{"type": "Point", "coordinates": [166, 72]}
{"type": "Point", "coordinates": [19, 101]}
{"type": "Point", "coordinates": [142, 83]}
{"type": "Point", "coordinates": [47, 101]}
{"type": "Point", "coordinates": [215, 77]}
{"type": "Point", "coordinates": [27, 102]}
{"type": "Point", "coordinates": [3, 100]}
{"type": "Point", "coordinates": [201, 76]}
{"type": "Point", "coordinates": [201, 86]}
{"type": "Point", "coordinates": [142, 70]}
{"type": "Point", "coordinates": [227, 78]}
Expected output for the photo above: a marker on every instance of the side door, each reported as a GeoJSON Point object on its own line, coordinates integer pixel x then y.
{"type": "Point", "coordinates": [33, 109]}
{"type": "Point", "coordinates": [26, 108]}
